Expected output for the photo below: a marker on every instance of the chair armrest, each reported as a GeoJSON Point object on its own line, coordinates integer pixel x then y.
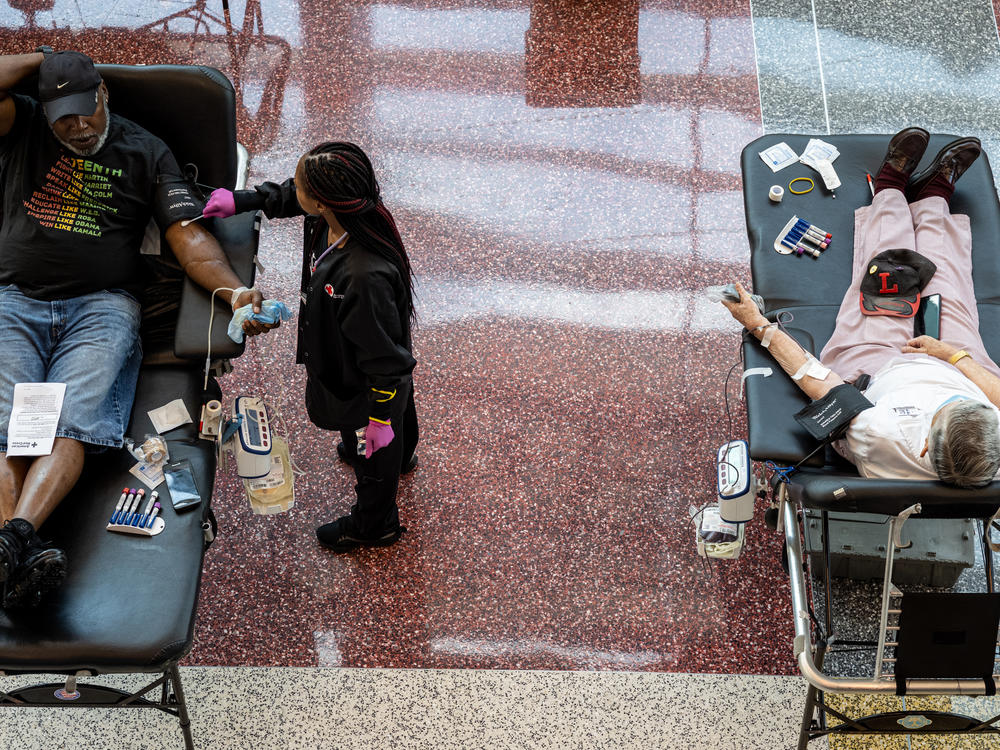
{"type": "Point", "coordinates": [824, 490]}
{"type": "Point", "coordinates": [774, 435]}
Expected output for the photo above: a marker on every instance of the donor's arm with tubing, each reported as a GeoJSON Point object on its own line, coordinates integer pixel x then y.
{"type": "Point", "coordinates": [814, 380]}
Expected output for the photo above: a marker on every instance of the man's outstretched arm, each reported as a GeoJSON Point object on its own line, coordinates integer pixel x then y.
{"type": "Point", "coordinates": [203, 260]}
{"type": "Point", "coordinates": [783, 348]}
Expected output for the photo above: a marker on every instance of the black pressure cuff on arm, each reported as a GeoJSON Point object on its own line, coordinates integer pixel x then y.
{"type": "Point", "coordinates": [828, 418]}
{"type": "Point", "coordinates": [175, 200]}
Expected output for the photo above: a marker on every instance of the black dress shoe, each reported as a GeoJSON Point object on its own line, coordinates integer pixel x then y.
{"type": "Point", "coordinates": [951, 163]}
{"type": "Point", "coordinates": [906, 148]}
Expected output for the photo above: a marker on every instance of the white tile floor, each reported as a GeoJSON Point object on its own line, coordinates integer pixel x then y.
{"type": "Point", "coordinates": [264, 708]}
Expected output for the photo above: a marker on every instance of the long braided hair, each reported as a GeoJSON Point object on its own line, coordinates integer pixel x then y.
{"type": "Point", "coordinates": [340, 176]}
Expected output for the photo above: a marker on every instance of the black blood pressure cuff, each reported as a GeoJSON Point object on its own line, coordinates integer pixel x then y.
{"type": "Point", "coordinates": [175, 200]}
{"type": "Point", "coordinates": [828, 418]}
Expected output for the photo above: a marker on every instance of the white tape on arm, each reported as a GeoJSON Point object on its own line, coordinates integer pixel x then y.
{"type": "Point", "coordinates": [765, 340]}
{"type": "Point", "coordinates": [812, 368]}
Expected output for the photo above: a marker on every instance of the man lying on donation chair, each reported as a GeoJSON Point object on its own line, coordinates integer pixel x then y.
{"type": "Point", "coordinates": [80, 186]}
{"type": "Point", "coordinates": [934, 413]}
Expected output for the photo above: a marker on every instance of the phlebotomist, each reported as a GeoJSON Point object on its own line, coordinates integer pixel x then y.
{"type": "Point", "coordinates": [354, 327]}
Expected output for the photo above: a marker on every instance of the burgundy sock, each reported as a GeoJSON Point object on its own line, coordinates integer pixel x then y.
{"type": "Point", "coordinates": [890, 177]}
{"type": "Point", "coordinates": [939, 186]}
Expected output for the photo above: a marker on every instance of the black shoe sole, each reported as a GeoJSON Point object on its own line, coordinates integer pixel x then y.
{"type": "Point", "coordinates": [43, 573]}
{"type": "Point", "coordinates": [348, 543]}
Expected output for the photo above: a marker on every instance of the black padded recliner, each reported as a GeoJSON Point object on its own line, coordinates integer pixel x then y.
{"type": "Point", "coordinates": [806, 294]}
{"type": "Point", "coordinates": [810, 291]}
{"type": "Point", "coordinates": [129, 602]}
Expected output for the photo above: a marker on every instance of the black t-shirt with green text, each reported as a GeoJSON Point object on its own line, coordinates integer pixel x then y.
{"type": "Point", "coordinates": [72, 224]}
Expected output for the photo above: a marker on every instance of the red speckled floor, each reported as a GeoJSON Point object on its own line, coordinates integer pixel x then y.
{"type": "Point", "coordinates": [566, 178]}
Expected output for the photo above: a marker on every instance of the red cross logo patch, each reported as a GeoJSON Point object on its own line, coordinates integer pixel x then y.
{"type": "Point", "coordinates": [328, 289]}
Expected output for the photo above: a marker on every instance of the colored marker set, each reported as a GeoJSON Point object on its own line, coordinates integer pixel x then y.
{"type": "Point", "coordinates": [802, 238]}
{"type": "Point", "coordinates": [131, 517]}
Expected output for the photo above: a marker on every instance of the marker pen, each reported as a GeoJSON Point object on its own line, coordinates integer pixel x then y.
{"type": "Point", "coordinates": [118, 507]}
{"type": "Point", "coordinates": [152, 516]}
{"type": "Point", "coordinates": [141, 520]}
{"type": "Point", "coordinates": [803, 249]}
{"type": "Point", "coordinates": [135, 507]}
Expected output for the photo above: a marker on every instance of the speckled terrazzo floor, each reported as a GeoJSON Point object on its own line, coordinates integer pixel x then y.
{"type": "Point", "coordinates": [566, 178]}
{"type": "Point", "coordinates": [362, 709]}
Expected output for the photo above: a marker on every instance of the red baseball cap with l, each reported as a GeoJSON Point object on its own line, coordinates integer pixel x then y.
{"type": "Point", "coordinates": [893, 281]}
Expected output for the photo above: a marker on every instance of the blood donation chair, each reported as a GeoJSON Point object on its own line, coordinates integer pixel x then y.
{"type": "Point", "coordinates": [930, 643]}
{"type": "Point", "coordinates": [128, 604]}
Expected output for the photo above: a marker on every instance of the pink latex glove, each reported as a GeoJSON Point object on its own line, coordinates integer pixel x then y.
{"type": "Point", "coordinates": [377, 435]}
{"type": "Point", "coordinates": [221, 204]}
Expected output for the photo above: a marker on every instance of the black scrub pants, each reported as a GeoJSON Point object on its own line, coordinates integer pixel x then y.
{"type": "Point", "coordinates": [375, 513]}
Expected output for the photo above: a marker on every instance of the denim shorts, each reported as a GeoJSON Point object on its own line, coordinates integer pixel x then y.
{"type": "Point", "coordinates": [90, 343]}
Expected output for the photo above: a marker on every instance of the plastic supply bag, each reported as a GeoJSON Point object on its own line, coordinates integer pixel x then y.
{"type": "Point", "coordinates": [181, 485]}
{"type": "Point", "coordinates": [271, 310]}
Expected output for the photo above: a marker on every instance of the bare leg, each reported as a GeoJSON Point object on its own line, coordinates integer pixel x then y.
{"type": "Point", "coordinates": [49, 480]}
{"type": "Point", "coordinates": [12, 472]}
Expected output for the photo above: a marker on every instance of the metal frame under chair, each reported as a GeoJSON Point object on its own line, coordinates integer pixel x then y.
{"type": "Point", "coordinates": [810, 654]}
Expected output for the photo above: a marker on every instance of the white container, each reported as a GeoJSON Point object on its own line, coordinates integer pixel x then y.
{"type": "Point", "coordinates": [735, 487]}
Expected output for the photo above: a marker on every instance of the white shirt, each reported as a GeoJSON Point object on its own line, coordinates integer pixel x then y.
{"type": "Point", "coordinates": [886, 440]}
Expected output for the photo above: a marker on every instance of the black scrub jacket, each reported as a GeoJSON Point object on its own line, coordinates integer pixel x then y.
{"type": "Point", "coordinates": [354, 325]}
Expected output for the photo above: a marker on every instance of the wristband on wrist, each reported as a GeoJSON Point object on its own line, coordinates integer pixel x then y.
{"type": "Point", "coordinates": [236, 294]}
{"type": "Point", "coordinates": [960, 354]}
{"type": "Point", "coordinates": [380, 421]}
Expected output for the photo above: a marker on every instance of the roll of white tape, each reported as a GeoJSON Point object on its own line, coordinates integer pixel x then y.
{"type": "Point", "coordinates": [211, 418]}
{"type": "Point", "coordinates": [776, 193]}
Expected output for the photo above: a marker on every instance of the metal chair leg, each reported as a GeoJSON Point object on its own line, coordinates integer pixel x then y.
{"type": "Point", "coordinates": [182, 714]}
{"type": "Point", "coordinates": [811, 694]}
